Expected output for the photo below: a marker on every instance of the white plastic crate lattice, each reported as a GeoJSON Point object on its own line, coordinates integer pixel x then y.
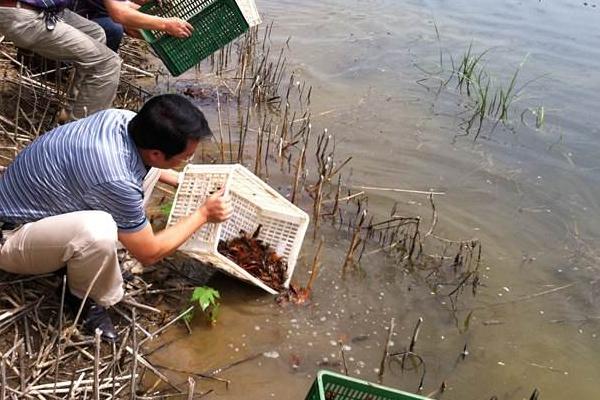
{"type": "Point", "coordinates": [255, 203]}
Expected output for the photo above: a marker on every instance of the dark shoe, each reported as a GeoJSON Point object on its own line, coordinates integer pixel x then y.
{"type": "Point", "coordinates": [127, 276]}
{"type": "Point", "coordinates": [96, 317]}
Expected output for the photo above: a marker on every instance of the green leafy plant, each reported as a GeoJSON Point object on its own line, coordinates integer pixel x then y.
{"type": "Point", "coordinates": [165, 208]}
{"type": "Point", "coordinates": [207, 299]}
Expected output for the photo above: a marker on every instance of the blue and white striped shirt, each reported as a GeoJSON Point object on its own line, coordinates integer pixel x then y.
{"type": "Point", "coordinates": [89, 164]}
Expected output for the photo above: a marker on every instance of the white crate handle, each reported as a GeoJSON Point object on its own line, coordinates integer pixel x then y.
{"type": "Point", "coordinates": [249, 11]}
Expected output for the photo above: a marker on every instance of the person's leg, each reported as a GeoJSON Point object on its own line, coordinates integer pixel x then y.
{"type": "Point", "coordinates": [86, 241]}
{"type": "Point", "coordinates": [74, 39]}
{"type": "Point", "coordinates": [112, 30]}
{"type": "Point", "coordinates": [103, 74]}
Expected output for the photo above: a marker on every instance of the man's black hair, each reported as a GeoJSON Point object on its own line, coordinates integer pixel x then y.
{"type": "Point", "coordinates": [166, 123]}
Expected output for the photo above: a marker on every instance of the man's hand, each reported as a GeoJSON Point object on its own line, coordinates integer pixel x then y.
{"type": "Point", "coordinates": [217, 207]}
{"type": "Point", "coordinates": [132, 32]}
{"type": "Point", "coordinates": [123, 13]}
{"type": "Point", "coordinates": [178, 27]}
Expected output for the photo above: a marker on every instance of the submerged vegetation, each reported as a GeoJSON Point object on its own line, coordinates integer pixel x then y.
{"type": "Point", "coordinates": [488, 100]}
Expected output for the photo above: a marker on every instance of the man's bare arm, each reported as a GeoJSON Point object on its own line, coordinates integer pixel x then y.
{"type": "Point", "coordinates": [149, 248]}
{"type": "Point", "coordinates": [123, 13]}
{"type": "Point", "coordinates": [169, 177]}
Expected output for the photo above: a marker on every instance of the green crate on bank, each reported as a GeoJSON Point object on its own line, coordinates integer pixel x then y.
{"type": "Point", "coordinates": [332, 386]}
{"type": "Point", "coordinates": [215, 22]}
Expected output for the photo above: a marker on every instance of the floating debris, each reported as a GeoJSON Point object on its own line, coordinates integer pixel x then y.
{"type": "Point", "coordinates": [271, 354]}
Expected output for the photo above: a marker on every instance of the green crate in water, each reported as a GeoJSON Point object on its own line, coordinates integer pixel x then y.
{"type": "Point", "coordinates": [215, 22]}
{"type": "Point", "coordinates": [331, 386]}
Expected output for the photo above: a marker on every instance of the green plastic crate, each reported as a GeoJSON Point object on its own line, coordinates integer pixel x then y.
{"type": "Point", "coordinates": [215, 22]}
{"type": "Point", "coordinates": [332, 386]}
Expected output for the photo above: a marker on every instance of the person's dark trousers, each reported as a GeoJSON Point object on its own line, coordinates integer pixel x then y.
{"type": "Point", "coordinates": [113, 31]}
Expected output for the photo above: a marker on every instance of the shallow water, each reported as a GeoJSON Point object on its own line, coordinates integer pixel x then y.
{"type": "Point", "coordinates": [531, 196]}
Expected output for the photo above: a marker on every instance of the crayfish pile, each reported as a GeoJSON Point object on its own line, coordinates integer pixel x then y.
{"type": "Point", "coordinates": [256, 257]}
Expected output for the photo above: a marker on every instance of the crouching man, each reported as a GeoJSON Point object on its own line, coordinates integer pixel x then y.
{"type": "Point", "coordinates": [77, 190]}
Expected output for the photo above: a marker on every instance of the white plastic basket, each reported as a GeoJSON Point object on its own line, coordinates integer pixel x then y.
{"type": "Point", "coordinates": [254, 203]}
{"type": "Point", "coordinates": [249, 11]}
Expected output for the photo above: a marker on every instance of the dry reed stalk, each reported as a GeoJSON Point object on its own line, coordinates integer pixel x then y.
{"type": "Point", "coordinates": [317, 206]}
{"type": "Point", "coordinates": [386, 351]}
{"type": "Point", "coordinates": [96, 387]}
{"type": "Point", "coordinates": [415, 335]}
{"type": "Point", "coordinates": [314, 269]}
{"type": "Point", "coordinates": [3, 382]}
{"type": "Point", "coordinates": [354, 242]}
{"type": "Point", "coordinates": [134, 352]}
{"type": "Point", "coordinates": [191, 388]}
{"type": "Point", "coordinates": [221, 144]}
{"type": "Point", "coordinates": [299, 169]}
{"type": "Point", "coordinates": [60, 326]}
{"type": "Point", "coordinates": [149, 366]}
{"type": "Point", "coordinates": [169, 324]}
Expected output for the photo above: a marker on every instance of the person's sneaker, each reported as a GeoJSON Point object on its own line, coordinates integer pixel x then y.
{"type": "Point", "coordinates": [96, 317]}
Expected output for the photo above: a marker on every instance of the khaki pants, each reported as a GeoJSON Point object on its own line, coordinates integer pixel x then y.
{"type": "Point", "coordinates": [84, 241]}
{"type": "Point", "coordinates": [74, 39]}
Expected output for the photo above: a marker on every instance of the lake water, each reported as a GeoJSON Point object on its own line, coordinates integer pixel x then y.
{"type": "Point", "coordinates": [530, 195]}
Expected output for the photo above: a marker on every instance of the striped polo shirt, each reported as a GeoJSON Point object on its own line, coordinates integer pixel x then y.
{"type": "Point", "coordinates": [48, 4]}
{"type": "Point", "coordinates": [89, 164]}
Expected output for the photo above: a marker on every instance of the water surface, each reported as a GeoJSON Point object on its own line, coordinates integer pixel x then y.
{"type": "Point", "coordinates": [531, 196]}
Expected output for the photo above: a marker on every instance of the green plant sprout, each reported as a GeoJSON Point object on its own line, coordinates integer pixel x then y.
{"type": "Point", "coordinates": [165, 208]}
{"type": "Point", "coordinates": [207, 299]}
{"type": "Point", "coordinates": [487, 99]}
